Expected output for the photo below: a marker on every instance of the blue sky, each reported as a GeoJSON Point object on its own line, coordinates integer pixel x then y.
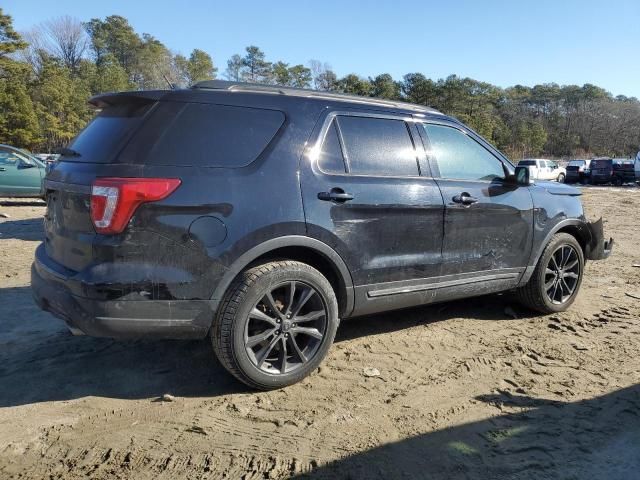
{"type": "Point", "coordinates": [502, 42]}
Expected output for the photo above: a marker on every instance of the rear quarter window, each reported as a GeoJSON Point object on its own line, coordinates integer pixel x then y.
{"type": "Point", "coordinates": [198, 134]}
{"type": "Point", "coordinates": [104, 136]}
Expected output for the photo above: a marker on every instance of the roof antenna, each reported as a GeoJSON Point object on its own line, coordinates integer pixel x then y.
{"type": "Point", "coordinates": [171, 85]}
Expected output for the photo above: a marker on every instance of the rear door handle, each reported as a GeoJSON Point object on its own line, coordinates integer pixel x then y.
{"type": "Point", "coordinates": [465, 199]}
{"type": "Point", "coordinates": [335, 195]}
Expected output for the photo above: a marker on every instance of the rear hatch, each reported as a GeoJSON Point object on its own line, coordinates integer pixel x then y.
{"type": "Point", "coordinates": [602, 168]}
{"type": "Point", "coordinates": [624, 169]}
{"type": "Point", "coordinates": [69, 231]}
{"type": "Point", "coordinates": [575, 168]}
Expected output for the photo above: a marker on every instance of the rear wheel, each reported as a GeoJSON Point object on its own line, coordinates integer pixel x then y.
{"type": "Point", "coordinates": [561, 178]}
{"type": "Point", "coordinates": [617, 181]}
{"type": "Point", "coordinates": [555, 282]}
{"type": "Point", "coordinates": [275, 324]}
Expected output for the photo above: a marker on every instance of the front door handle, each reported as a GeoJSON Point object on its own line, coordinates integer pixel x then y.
{"type": "Point", "coordinates": [465, 199]}
{"type": "Point", "coordinates": [335, 195]}
{"type": "Point", "coordinates": [2, 169]}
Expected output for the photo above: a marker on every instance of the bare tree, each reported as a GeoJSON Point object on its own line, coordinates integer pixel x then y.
{"type": "Point", "coordinates": [32, 54]}
{"type": "Point", "coordinates": [66, 38]}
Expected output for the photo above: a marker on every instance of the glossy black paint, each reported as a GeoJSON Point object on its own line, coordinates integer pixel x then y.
{"type": "Point", "coordinates": [400, 241]}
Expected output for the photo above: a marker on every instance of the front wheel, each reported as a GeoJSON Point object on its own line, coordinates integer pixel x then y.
{"type": "Point", "coordinates": [555, 282]}
{"type": "Point", "coordinates": [275, 324]}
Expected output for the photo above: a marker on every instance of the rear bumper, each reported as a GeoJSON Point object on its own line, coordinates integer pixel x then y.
{"type": "Point", "coordinates": [55, 291]}
{"type": "Point", "coordinates": [598, 248]}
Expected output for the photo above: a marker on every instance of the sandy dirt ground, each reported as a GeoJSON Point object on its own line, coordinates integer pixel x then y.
{"type": "Point", "coordinates": [466, 391]}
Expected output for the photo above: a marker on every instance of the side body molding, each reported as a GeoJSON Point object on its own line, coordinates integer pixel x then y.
{"type": "Point", "coordinates": [281, 242]}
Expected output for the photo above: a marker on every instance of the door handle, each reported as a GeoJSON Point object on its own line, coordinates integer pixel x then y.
{"type": "Point", "coordinates": [335, 195]}
{"type": "Point", "coordinates": [465, 199]}
{"type": "Point", "coordinates": [2, 169]}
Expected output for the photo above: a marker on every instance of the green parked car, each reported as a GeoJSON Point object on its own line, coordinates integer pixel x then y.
{"type": "Point", "coordinates": [21, 174]}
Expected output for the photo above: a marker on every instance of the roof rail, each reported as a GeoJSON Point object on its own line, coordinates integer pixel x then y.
{"type": "Point", "coordinates": [304, 92]}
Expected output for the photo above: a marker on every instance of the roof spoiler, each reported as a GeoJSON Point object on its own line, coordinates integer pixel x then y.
{"type": "Point", "coordinates": [109, 99]}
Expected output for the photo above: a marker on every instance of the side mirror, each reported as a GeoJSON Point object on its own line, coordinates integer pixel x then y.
{"type": "Point", "coordinates": [521, 177]}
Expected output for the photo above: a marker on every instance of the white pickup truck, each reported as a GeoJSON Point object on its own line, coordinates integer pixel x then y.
{"type": "Point", "coordinates": [542, 169]}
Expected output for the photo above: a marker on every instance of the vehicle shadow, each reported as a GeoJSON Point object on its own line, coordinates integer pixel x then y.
{"type": "Point", "coordinates": [488, 307]}
{"type": "Point", "coordinates": [41, 361]}
{"type": "Point", "coordinates": [591, 439]}
{"type": "Point", "coordinates": [30, 229]}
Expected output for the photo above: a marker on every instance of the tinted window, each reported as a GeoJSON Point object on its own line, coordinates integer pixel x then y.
{"type": "Point", "coordinates": [576, 163]}
{"type": "Point", "coordinates": [196, 134]}
{"type": "Point", "coordinates": [101, 140]}
{"type": "Point", "coordinates": [601, 163]}
{"type": "Point", "coordinates": [377, 146]}
{"type": "Point", "coordinates": [527, 163]}
{"type": "Point", "coordinates": [331, 159]}
{"type": "Point", "coordinates": [459, 156]}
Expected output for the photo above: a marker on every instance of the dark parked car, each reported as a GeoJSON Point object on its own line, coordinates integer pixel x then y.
{"type": "Point", "coordinates": [623, 172]}
{"type": "Point", "coordinates": [578, 171]}
{"type": "Point", "coordinates": [601, 170]}
{"type": "Point", "coordinates": [608, 170]}
{"type": "Point", "coordinates": [263, 216]}
{"type": "Point", "coordinates": [21, 174]}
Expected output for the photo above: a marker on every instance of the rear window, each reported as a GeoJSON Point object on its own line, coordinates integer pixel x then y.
{"type": "Point", "coordinates": [576, 163]}
{"type": "Point", "coordinates": [601, 163]}
{"type": "Point", "coordinates": [527, 163]}
{"type": "Point", "coordinates": [101, 140]}
{"type": "Point", "coordinates": [198, 134]}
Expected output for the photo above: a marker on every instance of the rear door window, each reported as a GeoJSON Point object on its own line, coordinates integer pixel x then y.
{"type": "Point", "coordinates": [331, 158]}
{"type": "Point", "coordinates": [208, 135]}
{"type": "Point", "coordinates": [378, 146]}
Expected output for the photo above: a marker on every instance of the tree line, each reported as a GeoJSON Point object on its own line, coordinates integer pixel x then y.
{"type": "Point", "coordinates": [48, 73]}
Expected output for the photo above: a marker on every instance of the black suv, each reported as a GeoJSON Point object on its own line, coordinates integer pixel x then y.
{"type": "Point", "coordinates": [261, 216]}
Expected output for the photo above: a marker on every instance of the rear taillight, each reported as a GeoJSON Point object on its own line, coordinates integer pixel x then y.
{"type": "Point", "coordinates": [114, 200]}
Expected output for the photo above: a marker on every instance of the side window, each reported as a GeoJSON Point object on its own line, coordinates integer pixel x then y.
{"type": "Point", "coordinates": [378, 146]}
{"type": "Point", "coordinates": [331, 159]}
{"type": "Point", "coordinates": [10, 158]}
{"type": "Point", "coordinates": [459, 156]}
{"type": "Point", "coordinates": [199, 134]}
{"type": "Point", "coordinates": [4, 157]}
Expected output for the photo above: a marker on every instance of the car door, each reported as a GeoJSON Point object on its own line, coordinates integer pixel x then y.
{"type": "Point", "coordinates": [364, 196]}
{"type": "Point", "coordinates": [19, 176]}
{"type": "Point", "coordinates": [488, 222]}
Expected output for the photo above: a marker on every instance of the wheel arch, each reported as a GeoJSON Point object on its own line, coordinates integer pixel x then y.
{"type": "Point", "coordinates": [574, 227]}
{"type": "Point", "coordinates": [300, 248]}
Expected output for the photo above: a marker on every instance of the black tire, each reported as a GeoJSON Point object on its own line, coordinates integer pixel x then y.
{"type": "Point", "coordinates": [561, 178]}
{"type": "Point", "coordinates": [249, 303]}
{"type": "Point", "coordinates": [535, 294]}
{"type": "Point", "coordinates": [617, 181]}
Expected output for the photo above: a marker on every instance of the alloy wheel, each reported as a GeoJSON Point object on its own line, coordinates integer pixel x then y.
{"type": "Point", "coordinates": [562, 274]}
{"type": "Point", "coordinates": [285, 328]}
